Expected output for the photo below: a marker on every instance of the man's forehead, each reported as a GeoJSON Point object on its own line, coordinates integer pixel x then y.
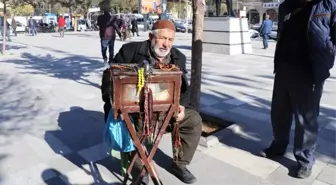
{"type": "Point", "coordinates": [166, 33]}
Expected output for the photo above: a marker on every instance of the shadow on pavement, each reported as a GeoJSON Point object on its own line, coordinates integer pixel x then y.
{"type": "Point", "coordinates": [10, 46]}
{"type": "Point", "coordinates": [72, 67]}
{"type": "Point", "coordinates": [20, 106]}
{"type": "Point", "coordinates": [61, 179]}
{"type": "Point", "coordinates": [2, 156]}
{"type": "Point", "coordinates": [255, 135]}
{"type": "Point", "coordinates": [81, 136]}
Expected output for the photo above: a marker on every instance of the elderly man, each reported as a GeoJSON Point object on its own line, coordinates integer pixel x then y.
{"type": "Point", "coordinates": [265, 30]}
{"type": "Point", "coordinates": [305, 53]}
{"type": "Point", "coordinates": [159, 49]}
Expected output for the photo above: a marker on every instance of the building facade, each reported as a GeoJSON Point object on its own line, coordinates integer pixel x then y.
{"type": "Point", "coordinates": [256, 11]}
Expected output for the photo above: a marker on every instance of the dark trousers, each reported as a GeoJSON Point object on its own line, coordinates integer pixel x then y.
{"type": "Point", "coordinates": [295, 94]}
{"type": "Point", "coordinates": [61, 31]}
{"type": "Point", "coordinates": [190, 132]}
{"type": "Point", "coordinates": [135, 30]}
{"type": "Point", "coordinates": [107, 43]}
{"type": "Point", "coordinates": [265, 40]}
{"type": "Point", "coordinates": [14, 31]}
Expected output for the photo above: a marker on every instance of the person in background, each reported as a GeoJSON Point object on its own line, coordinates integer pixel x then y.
{"type": "Point", "coordinates": [265, 30]}
{"type": "Point", "coordinates": [13, 24]}
{"type": "Point", "coordinates": [67, 22]}
{"type": "Point", "coordinates": [135, 26]}
{"type": "Point", "coordinates": [61, 25]}
{"type": "Point", "coordinates": [88, 24]}
{"type": "Point", "coordinates": [32, 26]}
{"type": "Point", "coordinates": [305, 53]}
{"type": "Point", "coordinates": [7, 34]}
{"type": "Point", "coordinates": [107, 30]}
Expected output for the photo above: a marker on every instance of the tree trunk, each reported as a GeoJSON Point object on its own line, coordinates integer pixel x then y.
{"type": "Point", "coordinates": [4, 27]}
{"type": "Point", "coordinates": [218, 7]}
{"type": "Point", "coordinates": [197, 49]}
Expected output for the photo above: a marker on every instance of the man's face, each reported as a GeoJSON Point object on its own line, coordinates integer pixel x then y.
{"type": "Point", "coordinates": [162, 42]}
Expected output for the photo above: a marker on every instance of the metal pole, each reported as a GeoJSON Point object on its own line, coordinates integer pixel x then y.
{"type": "Point", "coordinates": [237, 6]}
{"type": "Point", "coordinates": [4, 25]}
{"type": "Point", "coordinates": [180, 12]}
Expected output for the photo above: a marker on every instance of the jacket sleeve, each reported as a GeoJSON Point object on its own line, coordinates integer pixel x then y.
{"type": "Point", "coordinates": [333, 28]}
{"type": "Point", "coordinates": [261, 27]}
{"type": "Point", "coordinates": [123, 56]}
{"type": "Point", "coordinates": [281, 16]}
{"type": "Point", "coordinates": [185, 88]}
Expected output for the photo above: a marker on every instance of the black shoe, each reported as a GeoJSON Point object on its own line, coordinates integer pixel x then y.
{"type": "Point", "coordinates": [144, 181]}
{"type": "Point", "coordinates": [182, 173]}
{"type": "Point", "coordinates": [273, 151]}
{"type": "Point", "coordinates": [303, 172]}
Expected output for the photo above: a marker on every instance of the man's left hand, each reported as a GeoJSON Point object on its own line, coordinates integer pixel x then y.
{"type": "Point", "coordinates": [181, 113]}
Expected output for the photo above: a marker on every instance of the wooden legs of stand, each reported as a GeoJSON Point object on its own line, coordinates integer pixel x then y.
{"type": "Point", "coordinates": [145, 158]}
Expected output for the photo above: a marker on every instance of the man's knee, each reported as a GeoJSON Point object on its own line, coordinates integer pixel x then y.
{"type": "Point", "coordinates": [192, 122]}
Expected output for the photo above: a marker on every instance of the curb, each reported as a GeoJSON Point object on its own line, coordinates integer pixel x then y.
{"type": "Point", "coordinates": [214, 139]}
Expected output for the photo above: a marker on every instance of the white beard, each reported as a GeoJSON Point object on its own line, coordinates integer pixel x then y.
{"type": "Point", "coordinates": [158, 52]}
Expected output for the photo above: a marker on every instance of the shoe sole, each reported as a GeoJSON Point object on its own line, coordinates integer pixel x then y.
{"type": "Point", "coordinates": [302, 176]}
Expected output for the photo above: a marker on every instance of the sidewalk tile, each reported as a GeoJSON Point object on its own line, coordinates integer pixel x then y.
{"type": "Point", "coordinates": [251, 114]}
{"type": "Point", "coordinates": [328, 175]}
{"type": "Point", "coordinates": [317, 182]}
{"type": "Point", "coordinates": [95, 153]}
{"type": "Point", "coordinates": [281, 176]}
{"type": "Point", "coordinates": [331, 126]}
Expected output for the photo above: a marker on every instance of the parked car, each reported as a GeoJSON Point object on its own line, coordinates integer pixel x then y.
{"type": "Point", "coordinates": [46, 28]}
{"type": "Point", "coordinates": [20, 27]}
{"type": "Point", "coordinates": [180, 27]}
{"type": "Point", "coordinates": [190, 28]}
{"type": "Point", "coordinates": [274, 35]}
{"type": "Point", "coordinates": [257, 26]}
{"type": "Point", "coordinates": [253, 33]}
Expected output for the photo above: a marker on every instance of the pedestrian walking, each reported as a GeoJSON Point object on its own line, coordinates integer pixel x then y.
{"type": "Point", "coordinates": [107, 30]}
{"type": "Point", "coordinates": [13, 24]}
{"type": "Point", "coordinates": [265, 30]}
{"type": "Point", "coordinates": [61, 25]}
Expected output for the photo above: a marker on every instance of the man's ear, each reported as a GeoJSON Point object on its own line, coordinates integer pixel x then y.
{"type": "Point", "coordinates": [150, 35]}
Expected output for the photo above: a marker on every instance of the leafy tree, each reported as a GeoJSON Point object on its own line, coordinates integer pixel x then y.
{"type": "Point", "coordinates": [23, 10]}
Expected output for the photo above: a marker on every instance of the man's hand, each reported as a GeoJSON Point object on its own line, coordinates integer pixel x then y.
{"type": "Point", "coordinates": [181, 114]}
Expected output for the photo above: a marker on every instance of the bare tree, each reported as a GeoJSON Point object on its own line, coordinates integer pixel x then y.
{"type": "Point", "coordinates": [4, 27]}
{"type": "Point", "coordinates": [197, 49]}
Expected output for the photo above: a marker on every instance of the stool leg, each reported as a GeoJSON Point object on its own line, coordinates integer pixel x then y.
{"type": "Point", "coordinates": [138, 146]}
{"type": "Point", "coordinates": [124, 156]}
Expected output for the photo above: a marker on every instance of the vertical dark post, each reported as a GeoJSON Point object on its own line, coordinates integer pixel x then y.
{"type": "Point", "coordinates": [197, 49]}
{"type": "Point", "coordinates": [4, 27]}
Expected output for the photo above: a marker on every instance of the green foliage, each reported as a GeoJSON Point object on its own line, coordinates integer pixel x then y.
{"type": "Point", "coordinates": [23, 10]}
{"type": "Point", "coordinates": [120, 5]}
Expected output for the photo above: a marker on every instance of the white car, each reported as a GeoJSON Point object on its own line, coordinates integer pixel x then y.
{"type": "Point", "coordinates": [274, 35]}
{"type": "Point", "coordinates": [19, 27]}
{"type": "Point", "coordinates": [253, 33]}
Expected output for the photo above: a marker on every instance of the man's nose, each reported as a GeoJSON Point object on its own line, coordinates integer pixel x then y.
{"type": "Point", "coordinates": [166, 43]}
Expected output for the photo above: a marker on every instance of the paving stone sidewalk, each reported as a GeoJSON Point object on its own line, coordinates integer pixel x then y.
{"type": "Point", "coordinates": [51, 117]}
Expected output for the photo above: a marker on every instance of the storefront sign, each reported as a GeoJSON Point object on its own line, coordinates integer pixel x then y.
{"type": "Point", "coordinates": [271, 5]}
{"type": "Point", "coordinates": [251, 3]}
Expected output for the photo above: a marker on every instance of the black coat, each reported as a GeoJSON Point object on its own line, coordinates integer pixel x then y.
{"type": "Point", "coordinates": [137, 52]}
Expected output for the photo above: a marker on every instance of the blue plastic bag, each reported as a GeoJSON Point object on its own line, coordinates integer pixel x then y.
{"type": "Point", "coordinates": [116, 135]}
